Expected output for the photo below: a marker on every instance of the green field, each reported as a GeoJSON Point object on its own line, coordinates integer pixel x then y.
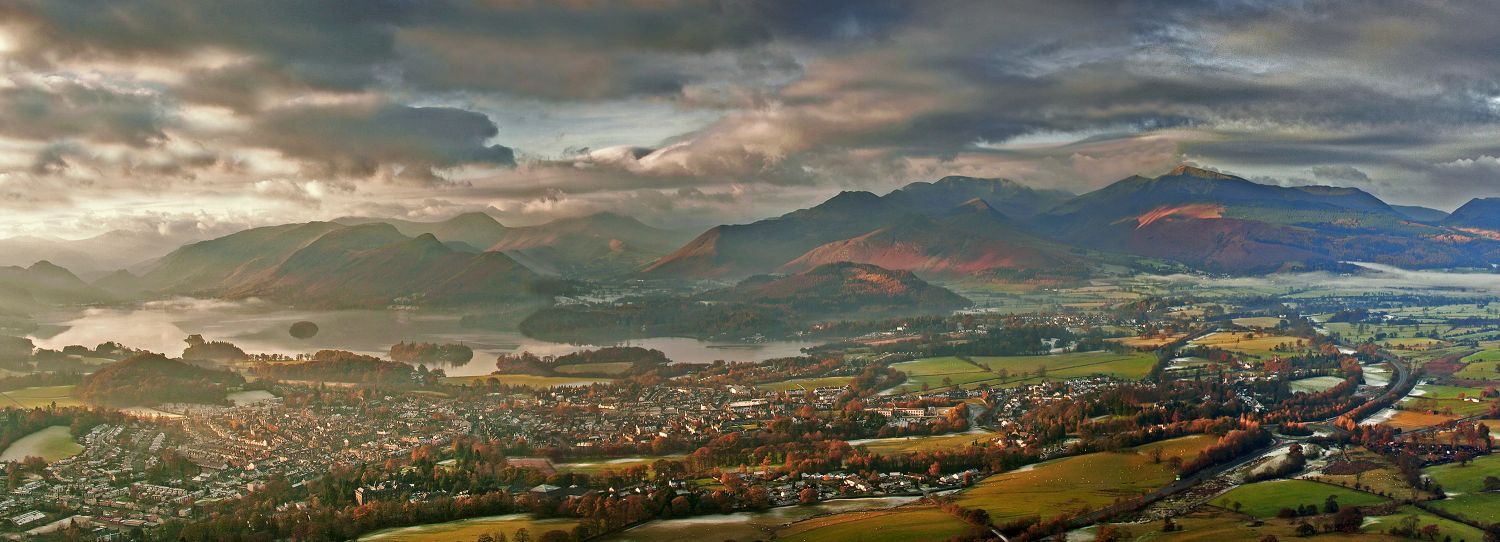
{"type": "Point", "coordinates": [470, 529]}
{"type": "Point", "coordinates": [1018, 370]}
{"type": "Point", "coordinates": [1256, 344]}
{"type": "Point", "coordinates": [1446, 527]}
{"type": "Point", "coordinates": [807, 383]}
{"type": "Point", "coordinates": [1070, 484]}
{"type": "Point", "coordinates": [605, 465]}
{"type": "Point", "coordinates": [1315, 384]}
{"type": "Point", "coordinates": [1127, 366]}
{"type": "Point", "coordinates": [39, 397]}
{"type": "Point", "coordinates": [1444, 398]}
{"type": "Point", "coordinates": [1265, 499]}
{"type": "Point", "coordinates": [893, 525]}
{"type": "Point", "coordinates": [1482, 365]}
{"type": "Point", "coordinates": [925, 443]}
{"type": "Point", "coordinates": [938, 372]}
{"type": "Point", "coordinates": [530, 381]}
{"type": "Point", "coordinates": [51, 444]}
{"type": "Point", "coordinates": [1465, 487]}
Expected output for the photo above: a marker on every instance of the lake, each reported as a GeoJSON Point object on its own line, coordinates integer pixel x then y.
{"type": "Point", "coordinates": [261, 327]}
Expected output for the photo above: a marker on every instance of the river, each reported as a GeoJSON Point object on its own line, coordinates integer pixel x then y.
{"type": "Point", "coordinates": [261, 327]}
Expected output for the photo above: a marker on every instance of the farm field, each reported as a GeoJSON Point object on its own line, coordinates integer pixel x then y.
{"type": "Point", "coordinates": [1255, 344]}
{"type": "Point", "coordinates": [1406, 420]}
{"type": "Point", "coordinates": [892, 525]}
{"type": "Point", "coordinates": [915, 444]}
{"type": "Point", "coordinates": [747, 525]}
{"type": "Point", "coordinates": [1219, 526]}
{"type": "Point", "coordinates": [1258, 321]}
{"type": "Point", "coordinates": [1482, 365]}
{"type": "Point", "coordinates": [470, 529]}
{"type": "Point", "coordinates": [40, 397]}
{"type": "Point", "coordinates": [1464, 487]}
{"type": "Point", "coordinates": [605, 465]}
{"type": "Point", "coordinates": [1128, 366]}
{"type": "Point", "coordinates": [1383, 480]}
{"type": "Point", "coordinates": [51, 444]}
{"type": "Point", "coordinates": [1065, 485]}
{"type": "Point", "coordinates": [1315, 384]}
{"type": "Point", "coordinates": [529, 381]}
{"type": "Point", "coordinates": [1447, 528]}
{"type": "Point", "coordinates": [1265, 499]}
{"type": "Point", "coordinates": [1148, 342]}
{"type": "Point", "coordinates": [807, 383]}
{"type": "Point", "coordinates": [933, 371]}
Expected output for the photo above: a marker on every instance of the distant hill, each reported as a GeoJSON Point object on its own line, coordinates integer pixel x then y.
{"type": "Point", "coordinates": [1480, 213]}
{"type": "Point", "coordinates": [477, 230]}
{"type": "Point", "coordinates": [339, 366]}
{"type": "Point", "coordinates": [45, 284]}
{"type": "Point", "coordinates": [331, 265]}
{"type": "Point", "coordinates": [152, 379]}
{"type": "Point", "coordinates": [760, 305]}
{"type": "Point", "coordinates": [969, 239]}
{"type": "Point", "coordinates": [602, 244]}
{"type": "Point", "coordinates": [733, 251]}
{"type": "Point", "coordinates": [1424, 215]}
{"type": "Point", "coordinates": [93, 255]}
{"type": "Point", "coordinates": [596, 245]}
{"type": "Point", "coordinates": [1224, 223]}
{"type": "Point", "coordinates": [843, 288]}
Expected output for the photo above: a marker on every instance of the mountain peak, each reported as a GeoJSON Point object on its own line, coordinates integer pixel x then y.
{"type": "Point", "coordinates": [1194, 171]}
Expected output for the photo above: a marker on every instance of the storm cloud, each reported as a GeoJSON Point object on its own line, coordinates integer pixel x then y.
{"type": "Point", "coordinates": [688, 112]}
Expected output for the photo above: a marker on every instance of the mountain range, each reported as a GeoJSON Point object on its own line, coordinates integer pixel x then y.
{"type": "Point", "coordinates": [1196, 217]}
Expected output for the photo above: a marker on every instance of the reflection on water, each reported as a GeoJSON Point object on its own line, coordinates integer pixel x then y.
{"type": "Point", "coordinates": [261, 327]}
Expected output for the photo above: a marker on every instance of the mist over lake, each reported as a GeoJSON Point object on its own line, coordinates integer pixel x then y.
{"type": "Point", "coordinates": [261, 327]}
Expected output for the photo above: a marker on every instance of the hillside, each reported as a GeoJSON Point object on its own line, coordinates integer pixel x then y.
{"type": "Point", "coordinates": [1223, 223]}
{"type": "Point", "coordinates": [735, 251]}
{"type": "Point", "coordinates": [207, 266]}
{"type": "Point", "coordinates": [373, 265]}
{"type": "Point", "coordinates": [766, 305]}
{"type": "Point", "coordinates": [44, 284]}
{"type": "Point", "coordinates": [971, 238]}
{"type": "Point", "coordinates": [477, 230]}
{"type": "Point", "coordinates": [843, 288]}
{"type": "Point", "coordinates": [1478, 213]}
{"type": "Point", "coordinates": [595, 245]}
{"type": "Point", "coordinates": [151, 379]}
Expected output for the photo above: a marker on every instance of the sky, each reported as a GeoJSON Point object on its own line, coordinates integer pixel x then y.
{"type": "Point", "coordinates": [193, 118]}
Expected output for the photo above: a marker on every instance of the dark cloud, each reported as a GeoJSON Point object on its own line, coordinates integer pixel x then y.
{"type": "Point", "coordinates": [357, 140]}
{"type": "Point", "coordinates": [57, 108]}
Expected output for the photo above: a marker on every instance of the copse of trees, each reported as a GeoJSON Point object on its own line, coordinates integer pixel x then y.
{"type": "Point", "coordinates": [202, 350]}
{"type": "Point", "coordinates": [419, 352]}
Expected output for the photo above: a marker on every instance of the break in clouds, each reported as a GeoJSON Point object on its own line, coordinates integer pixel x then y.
{"type": "Point", "coordinates": [148, 114]}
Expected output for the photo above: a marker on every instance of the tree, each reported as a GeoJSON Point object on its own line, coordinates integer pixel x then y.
{"type": "Point", "coordinates": [808, 495]}
{"type": "Point", "coordinates": [556, 535]}
{"type": "Point", "coordinates": [1348, 520]}
{"type": "Point", "coordinates": [1268, 538]}
{"type": "Point", "coordinates": [523, 535]}
{"type": "Point", "coordinates": [1306, 529]}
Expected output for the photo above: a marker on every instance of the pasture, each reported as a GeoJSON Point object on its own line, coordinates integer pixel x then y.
{"type": "Point", "coordinates": [470, 529]}
{"type": "Point", "coordinates": [798, 384]}
{"type": "Point", "coordinates": [917, 522]}
{"type": "Point", "coordinates": [1265, 499]}
{"type": "Point", "coordinates": [51, 444]}
{"type": "Point", "coordinates": [39, 397]}
{"type": "Point", "coordinates": [896, 445]}
{"type": "Point", "coordinates": [1250, 343]}
{"type": "Point", "coordinates": [1067, 485]}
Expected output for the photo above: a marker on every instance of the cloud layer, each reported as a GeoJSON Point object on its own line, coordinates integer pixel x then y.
{"type": "Point", "coordinates": [686, 112]}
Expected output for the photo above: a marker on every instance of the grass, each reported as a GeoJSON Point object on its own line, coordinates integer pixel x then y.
{"type": "Point", "coordinates": [1250, 343]}
{"type": "Point", "coordinates": [470, 529]}
{"type": "Point", "coordinates": [51, 444]}
{"type": "Point", "coordinates": [39, 397]}
{"type": "Point", "coordinates": [1482, 365]}
{"type": "Point", "coordinates": [529, 381]}
{"type": "Point", "coordinates": [1127, 366]}
{"type": "Point", "coordinates": [1258, 321]}
{"type": "Point", "coordinates": [1070, 484]}
{"type": "Point", "coordinates": [1407, 420]}
{"type": "Point", "coordinates": [807, 383]}
{"type": "Point", "coordinates": [928, 443]}
{"type": "Point", "coordinates": [1265, 499]}
{"type": "Point", "coordinates": [1465, 487]}
{"type": "Point", "coordinates": [1213, 525]}
{"type": "Point", "coordinates": [1446, 527]}
{"type": "Point", "coordinates": [600, 466]}
{"type": "Point", "coordinates": [1385, 480]}
{"type": "Point", "coordinates": [892, 525]}
{"type": "Point", "coordinates": [1018, 370]}
{"type": "Point", "coordinates": [1315, 384]}
{"type": "Point", "coordinates": [1150, 343]}
{"type": "Point", "coordinates": [612, 368]}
